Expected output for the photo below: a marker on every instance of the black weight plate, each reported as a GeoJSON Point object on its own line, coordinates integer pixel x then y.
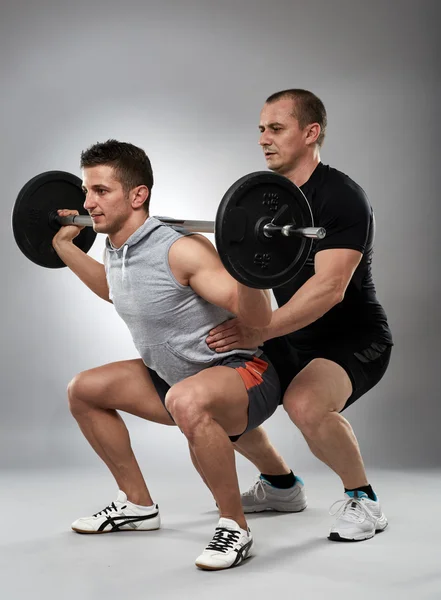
{"type": "Point", "coordinates": [249, 204]}
{"type": "Point", "coordinates": [31, 223]}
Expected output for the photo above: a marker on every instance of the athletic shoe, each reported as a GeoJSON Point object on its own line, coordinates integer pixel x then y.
{"type": "Point", "coordinates": [229, 547]}
{"type": "Point", "coordinates": [121, 515]}
{"type": "Point", "coordinates": [264, 496]}
{"type": "Point", "coordinates": [358, 518]}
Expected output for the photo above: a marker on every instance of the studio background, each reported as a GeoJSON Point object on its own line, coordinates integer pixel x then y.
{"type": "Point", "coordinates": [186, 81]}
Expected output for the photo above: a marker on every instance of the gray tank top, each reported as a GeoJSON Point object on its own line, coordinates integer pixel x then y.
{"type": "Point", "coordinates": [168, 321]}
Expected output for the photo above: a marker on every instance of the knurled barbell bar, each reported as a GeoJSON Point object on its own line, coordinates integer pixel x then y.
{"type": "Point", "coordinates": [263, 230]}
{"type": "Point", "coordinates": [202, 226]}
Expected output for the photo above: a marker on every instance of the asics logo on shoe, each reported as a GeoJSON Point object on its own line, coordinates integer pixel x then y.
{"type": "Point", "coordinates": [117, 522]}
{"type": "Point", "coordinates": [242, 554]}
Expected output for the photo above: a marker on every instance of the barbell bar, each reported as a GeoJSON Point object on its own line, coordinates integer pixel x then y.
{"type": "Point", "coordinates": [203, 226]}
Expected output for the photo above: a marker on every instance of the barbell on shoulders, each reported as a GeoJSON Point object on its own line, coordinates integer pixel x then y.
{"type": "Point", "coordinates": [263, 230]}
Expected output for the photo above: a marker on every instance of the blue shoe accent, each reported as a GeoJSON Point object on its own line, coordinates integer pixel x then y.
{"type": "Point", "coordinates": [296, 478]}
{"type": "Point", "coordinates": [359, 494]}
{"type": "Point", "coordinates": [262, 478]}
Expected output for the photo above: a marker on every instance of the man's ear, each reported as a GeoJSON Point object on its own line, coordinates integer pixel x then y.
{"type": "Point", "coordinates": [139, 195]}
{"type": "Point", "coordinates": [313, 132]}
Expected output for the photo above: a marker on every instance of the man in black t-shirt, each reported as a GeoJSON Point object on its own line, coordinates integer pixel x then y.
{"type": "Point", "coordinates": [329, 339]}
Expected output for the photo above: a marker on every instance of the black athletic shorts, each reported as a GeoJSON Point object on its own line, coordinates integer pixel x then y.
{"type": "Point", "coordinates": [260, 379]}
{"type": "Point", "coordinates": [365, 366]}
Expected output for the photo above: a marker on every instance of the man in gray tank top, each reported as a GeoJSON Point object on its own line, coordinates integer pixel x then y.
{"type": "Point", "coordinates": [170, 289]}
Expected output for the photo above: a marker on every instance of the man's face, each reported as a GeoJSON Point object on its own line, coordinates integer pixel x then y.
{"type": "Point", "coordinates": [106, 201]}
{"type": "Point", "coordinates": [282, 140]}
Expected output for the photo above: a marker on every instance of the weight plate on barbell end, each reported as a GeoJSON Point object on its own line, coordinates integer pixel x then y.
{"type": "Point", "coordinates": [31, 222]}
{"type": "Point", "coordinates": [250, 257]}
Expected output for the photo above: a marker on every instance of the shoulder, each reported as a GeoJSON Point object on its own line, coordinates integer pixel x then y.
{"type": "Point", "coordinates": [193, 242]}
{"type": "Point", "coordinates": [192, 249]}
{"type": "Point", "coordinates": [338, 184]}
{"type": "Point", "coordinates": [339, 193]}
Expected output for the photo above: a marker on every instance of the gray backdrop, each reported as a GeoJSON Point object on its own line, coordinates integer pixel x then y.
{"type": "Point", "coordinates": [186, 81]}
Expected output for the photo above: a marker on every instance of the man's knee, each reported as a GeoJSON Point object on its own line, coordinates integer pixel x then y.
{"type": "Point", "coordinates": [82, 390]}
{"type": "Point", "coordinates": [305, 412]}
{"type": "Point", "coordinates": [189, 407]}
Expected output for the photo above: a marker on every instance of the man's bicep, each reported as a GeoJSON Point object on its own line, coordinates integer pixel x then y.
{"type": "Point", "coordinates": [199, 264]}
{"type": "Point", "coordinates": [337, 265]}
{"type": "Point", "coordinates": [213, 283]}
{"type": "Point", "coordinates": [216, 286]}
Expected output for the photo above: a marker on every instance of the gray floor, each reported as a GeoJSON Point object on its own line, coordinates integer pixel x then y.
{"type": "Point", "coordinates": [41, 558]}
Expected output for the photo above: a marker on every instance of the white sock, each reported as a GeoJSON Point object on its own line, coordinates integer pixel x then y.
{"type": "Point", "coordinates": [151, 507]}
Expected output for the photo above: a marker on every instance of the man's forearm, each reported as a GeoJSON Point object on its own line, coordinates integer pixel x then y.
{"type": "Point", "coordinates": [90, 271]}
{"type": "Point", "coordinates": [308, 304]}
{"type": "Point", "coordinates": [254, 306]}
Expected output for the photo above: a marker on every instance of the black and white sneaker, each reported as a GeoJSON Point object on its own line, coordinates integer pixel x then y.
{"type": "Point", "coordinates": [229, 547]}
{"type": "Point", "coordinates": [121, 515]}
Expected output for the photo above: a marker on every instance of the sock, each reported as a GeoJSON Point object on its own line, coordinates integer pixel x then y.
{"type": "Point", "coordinates": [366, 489]}
{"type": "Point", "coordinates": [151, 507]}
{"type": "Point", "coordinates": [280, 481]}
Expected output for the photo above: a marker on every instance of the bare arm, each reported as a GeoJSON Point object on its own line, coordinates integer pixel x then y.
{"type": "Point", "coordinates": [326, 288]}
{"type": "Point", "coordinates": [90, 271]}
{"type": "Point", "coordinates": [195, 262]}
{"type": "Point", "coordinates": [347, 217]}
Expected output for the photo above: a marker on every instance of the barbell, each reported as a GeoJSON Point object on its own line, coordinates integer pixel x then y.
{"type": "Point", "coordinates": [264, 227]}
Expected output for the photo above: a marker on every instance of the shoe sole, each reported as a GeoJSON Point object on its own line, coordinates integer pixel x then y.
{"type": "Point", "coordinates": [208, 568]}
{"type": "Point", "coordinates": [336, 537]}
{"type": "Point", "coordinates": [287, 509]}
{"type": "Point", "coordinates": [84, 532]}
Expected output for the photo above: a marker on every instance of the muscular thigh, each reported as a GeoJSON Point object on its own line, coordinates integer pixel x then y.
{"type": "Point", "coordinates": [124, 385]}
{"type": "Point", "coordinates": [322, 385]}
{"type": "Point", "coordinates": [219, 391]}
{"type": "Point", "coordinates": [339, 375]}
{"type": "Point", "coordinates": [240, 394]}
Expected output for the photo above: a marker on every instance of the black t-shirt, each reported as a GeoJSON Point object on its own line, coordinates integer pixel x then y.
{"type": "Point", "coordinates": [340, 206]}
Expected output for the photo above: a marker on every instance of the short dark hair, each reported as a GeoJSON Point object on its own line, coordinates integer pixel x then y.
{"type": "Point", "coordinates": [307, 108]}
{"type": "Point", "coordinates": [131, 164]}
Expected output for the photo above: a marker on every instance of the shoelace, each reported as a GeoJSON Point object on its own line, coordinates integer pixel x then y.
{"type": "Point", "coordinates": [353, 509]}
{"type": "Point", "coordinates": [108, 509]}
{"type": "Point", "coordinates": [223, 539]}
{"type": "Point", "coordinates": [258, 487]}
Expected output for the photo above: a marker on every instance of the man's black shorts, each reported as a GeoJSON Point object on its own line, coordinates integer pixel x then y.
{"type": "Point", "coordinates": [365, 366]}
{"type": "Point", "coordinates": [260, 379]}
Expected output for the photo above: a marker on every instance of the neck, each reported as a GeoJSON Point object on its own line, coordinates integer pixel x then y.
{"type": "Point", "coordinates": [302, 171]}
{"type": "Point", "coordinates": [120, 237]}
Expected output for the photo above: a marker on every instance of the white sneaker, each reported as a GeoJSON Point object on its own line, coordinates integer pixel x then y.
{"type": "Point", "coordinates": [229, 547]}
{"type": "Point", "coordinates": [264, 496]}
{"type": "Point", "coordinates": [358, 518]}
{"type": "Point", "coordinates": [121, 515]}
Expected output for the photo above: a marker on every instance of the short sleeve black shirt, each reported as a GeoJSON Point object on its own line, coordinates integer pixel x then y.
{"type": "Point", "coordinates": [341, 206]}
